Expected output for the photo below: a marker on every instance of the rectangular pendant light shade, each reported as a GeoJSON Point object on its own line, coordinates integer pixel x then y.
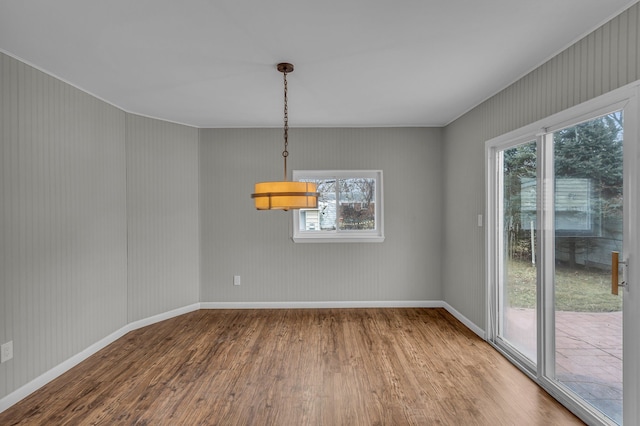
{"type": "Point", "coordinates": [285, 195]}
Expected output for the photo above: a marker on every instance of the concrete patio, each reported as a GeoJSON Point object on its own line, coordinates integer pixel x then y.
{"type": "Point", "coordinates": [588, 353]}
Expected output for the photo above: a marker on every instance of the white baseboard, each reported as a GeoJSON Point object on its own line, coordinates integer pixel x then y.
{"type": "Point", "coordinates": [324, 305]}
{"type": "Point", "coordinates": [161, 317]}
{"type": "Point", "coordinates": [58, 370]}
{"type": "Point", "coordinates": [68, 364]}
{"type": "Point", "coordinates": [470, 325]}
{"type": "Point", "coordinates": [63, 367]}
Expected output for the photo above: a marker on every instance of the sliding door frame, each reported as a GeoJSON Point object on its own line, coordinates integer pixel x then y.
{"type": "Point", "coordinates": [625, 98]}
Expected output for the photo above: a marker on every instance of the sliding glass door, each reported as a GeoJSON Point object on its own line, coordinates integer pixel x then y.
{"type": "Point", "coordinates": [588, 227]}
{"type": "Point", "coordinates": [559, 205]}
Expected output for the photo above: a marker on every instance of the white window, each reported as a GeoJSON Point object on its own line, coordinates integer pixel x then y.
{"type": "Point", "coordinates": [349, 207]}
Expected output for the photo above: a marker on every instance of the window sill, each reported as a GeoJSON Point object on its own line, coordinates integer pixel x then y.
{"type": "Point", "coordinates": [335, 239]}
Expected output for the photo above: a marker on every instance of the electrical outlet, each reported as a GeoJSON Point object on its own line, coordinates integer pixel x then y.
{"type": "Point", "coordinates": [6, 352]}
{"type": "Point", "coordinates": [236, 280]}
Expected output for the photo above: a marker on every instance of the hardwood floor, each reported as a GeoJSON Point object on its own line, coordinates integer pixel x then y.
{"type": "Point", "coordinates": [295, 367]}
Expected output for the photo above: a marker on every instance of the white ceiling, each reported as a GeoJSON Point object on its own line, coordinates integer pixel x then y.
{"type": "Point", "coordinates": [211, 63]}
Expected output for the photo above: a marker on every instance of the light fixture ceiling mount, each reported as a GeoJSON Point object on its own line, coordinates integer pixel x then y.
{"type": "Point", "coordinates": [285, 195]}
{"type": "Point", "coordinates": [285, 68]}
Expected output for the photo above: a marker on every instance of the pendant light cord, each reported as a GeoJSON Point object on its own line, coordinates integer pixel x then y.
{"type": "Point", "coordinates": [285, 153]}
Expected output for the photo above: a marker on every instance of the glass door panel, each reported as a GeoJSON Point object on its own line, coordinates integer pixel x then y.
{"type": "Point", "coordinates": [588, 216]}
{"type": "Point", "coordinates": [517, 292]}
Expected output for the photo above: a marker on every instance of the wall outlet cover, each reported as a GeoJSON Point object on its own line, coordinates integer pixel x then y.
{"type": "Point", "coordinates": [6, 352]}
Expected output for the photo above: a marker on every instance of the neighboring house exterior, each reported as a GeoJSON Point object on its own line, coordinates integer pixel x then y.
{"type": "Point", "coordinates": [584, 234]}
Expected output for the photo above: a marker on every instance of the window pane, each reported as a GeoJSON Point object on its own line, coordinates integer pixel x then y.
{"type": "Point", "coordinates": [588, 227]}
{"type": "Point", "coordinates": [518, 290]}
{"type": "Point", "coordinates": [324, 217]}
{"type": "Point", "coordinates": [357, 204]}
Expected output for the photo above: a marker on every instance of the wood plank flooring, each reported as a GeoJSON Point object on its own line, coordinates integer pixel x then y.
{"type": "Point", "coordinates": [295, 367]}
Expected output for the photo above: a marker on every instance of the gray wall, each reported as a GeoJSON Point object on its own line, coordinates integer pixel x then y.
{"type": "Point", "coordinates": [238, 240]}
{"type": "Point", "coordinates": [606, 59]}
{"type": "Point", "coordinates": [162, 216]}
{"type": "Point", "coordinates": [67, 222]}
{"type": "Point", "coordinates": [62, 221]}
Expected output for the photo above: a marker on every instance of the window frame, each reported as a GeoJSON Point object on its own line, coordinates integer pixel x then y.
{"type": "Point", "coordinates": [375, 235]}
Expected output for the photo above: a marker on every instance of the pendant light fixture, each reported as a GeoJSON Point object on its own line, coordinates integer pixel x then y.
{"type": "Point", "coordinates": [285, 195]}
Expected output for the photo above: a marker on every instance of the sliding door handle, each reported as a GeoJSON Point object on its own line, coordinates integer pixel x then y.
{"type": "Point", "coordinates": [615, 268]}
